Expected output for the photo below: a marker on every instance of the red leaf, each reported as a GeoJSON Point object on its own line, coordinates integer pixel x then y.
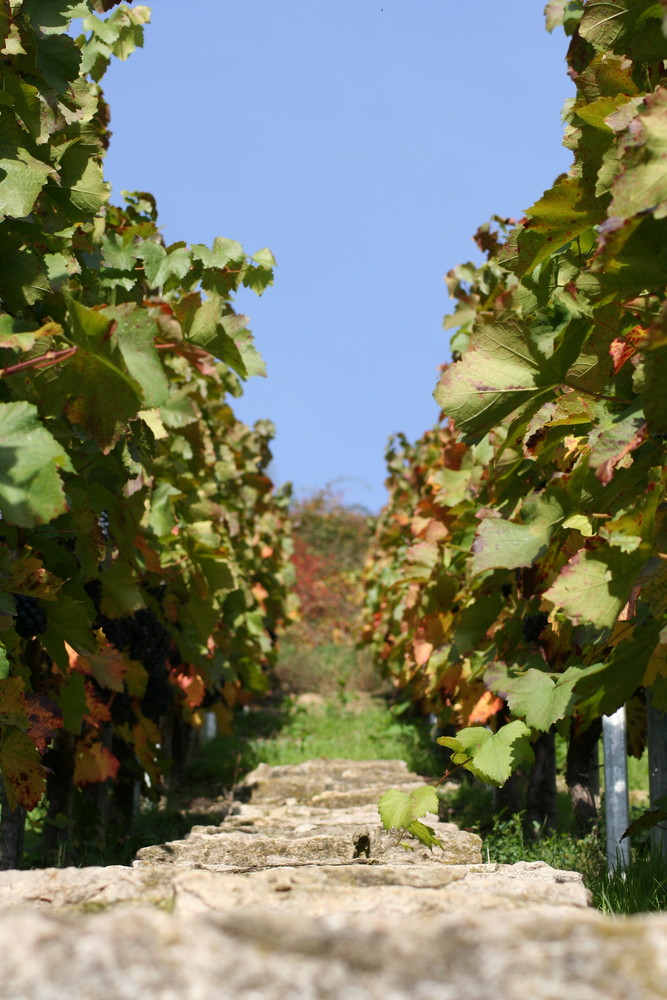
{"type": "Point", "coordinates": [93, 763]}
{"type": "Point", "coordinates": [44, 720]}
{"type": "Point", "coordinates": [98, 710]}
{"type": "Point", "coordinates": [622, 348]}
{"type": "Point", "coordinates": [23, 773]}
{"type": "Point", "coordinates": [486, 707]}
{"type": "Point", "coordinates": [192, 686]}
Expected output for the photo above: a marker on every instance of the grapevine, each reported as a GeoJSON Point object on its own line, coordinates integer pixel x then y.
{"type": "Point", "coordinates": [520, 564]}
{"type": "Point", "coordinates": [145, 553]}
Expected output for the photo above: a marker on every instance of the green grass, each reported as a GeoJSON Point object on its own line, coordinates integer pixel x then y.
{"type": "Point", "coordinates": [640, 887]}
{"type": "Point", "coordinates": [355, 726]}
{"type": "Point", "coordinates": [325, 669]}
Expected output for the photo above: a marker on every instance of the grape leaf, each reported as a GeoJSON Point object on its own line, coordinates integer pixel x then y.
{"type": "Point", "coordinates": [490, 756]}
{"type": "Point", "coordinates": [81, 190]}
{"type": "Point", "coordinates": [13, 709]}
{"type": "Point", "coordinates": [564, 212]}
{"type": "Point", "coordinates": [500, 372]}
{"type": "Point", "coordinates": [93, 763]}
{"type": "Point", "coordinates": [541, 698]}
{"type": "Point", "coordinates": [31, 490]}
{"type": "Point", "coordinates": [44, 720]}
{"type": "Point", "coordinates": [399, 809]}
{"type": "Point", "coordinates": [22, 180]}
{"type": "Point", "coordinates": [109, 668]}
{"type": "Point", "coordinates": [23, 773]}
{"type": "Point", "coordinates": [135, 332]}
{"type": "Point", "coordinates": [641, 183]}
{"type": "Point", "coordinates": [68, 622]}
{"type": "Point", "coordinates": [594, 585]}
{"type": "Point", "coordinates": [223, 252]}
{"type": "Point", "coordinates": [606, 686]}
{"type": "Point", "coordinates": [72, 701]}
{"type": "Point", "coordinates": [503, 544]}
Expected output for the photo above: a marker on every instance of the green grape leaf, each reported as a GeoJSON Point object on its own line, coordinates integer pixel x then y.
{"type": "Point", "coordinates": [501, 371]}
{"type": "Point", "coordinates": [58, 58]}
{"type": "Point", "coordinates": [501, 544]}
{"type": "Point", "coordinates": [541, 698]}
{"type": "Point", "coordinates": [102, 397]}
{"type": "Point", "coordinates": [594, 585]}
{"type": "Point", "coordinates": [398, 810]}
{"type": "Point", "coordinates": [617, 437]}
{"type": "Point", "coordinates": [491, 756]}
{"type": "Point", "coordinates": [606, 686]}
{"type": "Point", "coordinates": [160, 265]}
{"type": "Point", "coordinates": [648, 819]}
{"type": "Point", "coordinates": [72, 701]}
{"type": "Point", "coordinates": [641, 183]}
{"type": "Point", "coordinates": [209, 330]}
{"type": "Point", "coordinates": [67, 620]}
{"type": "Point", "coordinates": [424, 834]}
{"type": "Point", "coordinates": [135, 333]}
{"type": "Point", "coordinates": [88, 327]}
{"type": "Point", "coordinates": [81, 190]}
{"type": "Point", "coordinates": [5, 665]}
{"type": "Point", "coordinates": [628, 27]}
{"type": "Point", "coordinates": [22, 177]}
{"type": "Point", "coordinates": [223, 252]}
{"type": "Point", "coordinates": [564, 212]}
{"type": "Point", "coordinates": [31, 490]}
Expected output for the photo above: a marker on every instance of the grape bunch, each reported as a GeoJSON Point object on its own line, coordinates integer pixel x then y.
{"type": "Point", "coordinates": [143, 637]}
{"type": "Point", "coordinates": [151, 645]}
{"type": "Point", "coordinates": [533, 625]}
{"type": "Point", "coordinates": [30, 617]}
{"type": "Point", "coordinates": [104, 525]}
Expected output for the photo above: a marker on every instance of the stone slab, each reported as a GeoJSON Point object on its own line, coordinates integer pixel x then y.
{"type": "Point", "coordinates": [539, 952]}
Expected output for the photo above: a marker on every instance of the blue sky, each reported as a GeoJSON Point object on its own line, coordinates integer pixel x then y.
{"type": "Point", "coordinates": [363, 141]}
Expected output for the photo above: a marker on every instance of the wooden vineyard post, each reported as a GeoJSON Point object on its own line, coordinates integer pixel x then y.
{"type": "Point", "coordinates": [616, 788]}
{"type": "Point", "coordinates": [657, 769]}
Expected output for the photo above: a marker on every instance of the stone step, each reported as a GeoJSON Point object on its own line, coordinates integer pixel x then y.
{"type": "Point", "coordinates": [541, 952]}
{"type": "Point", "coordinates": [299, 894]}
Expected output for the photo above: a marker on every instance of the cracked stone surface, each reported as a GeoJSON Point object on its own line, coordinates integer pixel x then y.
{"type": "Point", "coordinates": [300, 895]}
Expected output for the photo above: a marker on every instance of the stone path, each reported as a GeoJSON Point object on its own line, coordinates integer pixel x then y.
{"type": "Point", "coordinates": [300, 895]}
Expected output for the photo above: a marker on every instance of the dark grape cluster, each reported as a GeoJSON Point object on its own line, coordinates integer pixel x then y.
{"type": "Point", "coordinates": [104, 525]}
{"type": "Point", "coordinates": [144, 638]}
{"type": "Point", "coordinates": [30, 617]}
{"type": "Point", "coordinates": [533, 625]}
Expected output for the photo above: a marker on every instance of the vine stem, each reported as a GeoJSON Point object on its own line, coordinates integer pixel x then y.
{"type": "Point", "coordinates": [42, 361]}
{"type": "Point", "coordinates": [452, 770]}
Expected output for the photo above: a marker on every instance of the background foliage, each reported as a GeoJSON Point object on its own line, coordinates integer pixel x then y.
{"type": "Point", "coordinates": [144, 553]}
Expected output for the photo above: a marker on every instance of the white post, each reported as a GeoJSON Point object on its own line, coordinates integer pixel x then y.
{"type": "Point", "coordinates": [617, 812]}
{"type": "Point", "coordinates": [210, 727]}
{"type": "Point", "coordinates": [657, 769]}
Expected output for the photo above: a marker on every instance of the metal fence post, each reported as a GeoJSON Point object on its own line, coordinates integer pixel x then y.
{"type": "Point", "coordinates": [657, 769]}
{"type": "Point", "coordinates": [617, 813]}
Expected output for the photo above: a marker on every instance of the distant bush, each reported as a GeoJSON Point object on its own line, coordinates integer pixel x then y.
{"type": "Point", "coordinates": [330, 544]}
